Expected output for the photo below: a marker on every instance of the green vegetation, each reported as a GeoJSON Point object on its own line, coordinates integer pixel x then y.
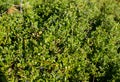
{"type": "Point", "coordinates": [60, 41]}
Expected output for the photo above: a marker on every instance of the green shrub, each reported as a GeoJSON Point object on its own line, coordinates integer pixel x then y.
{"type": "Point", "coordinates": [61, 40]}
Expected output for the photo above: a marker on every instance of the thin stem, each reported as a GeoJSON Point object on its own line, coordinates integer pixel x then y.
{"type": "Point", "coordinates": [21, 5]}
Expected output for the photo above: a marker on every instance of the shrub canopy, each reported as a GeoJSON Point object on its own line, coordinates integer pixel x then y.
{"type": "Point", "coordinates": [60, 40]}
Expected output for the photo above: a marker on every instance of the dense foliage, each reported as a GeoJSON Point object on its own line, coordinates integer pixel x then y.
{"type": "Point", "coordinates": [60, 41]}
